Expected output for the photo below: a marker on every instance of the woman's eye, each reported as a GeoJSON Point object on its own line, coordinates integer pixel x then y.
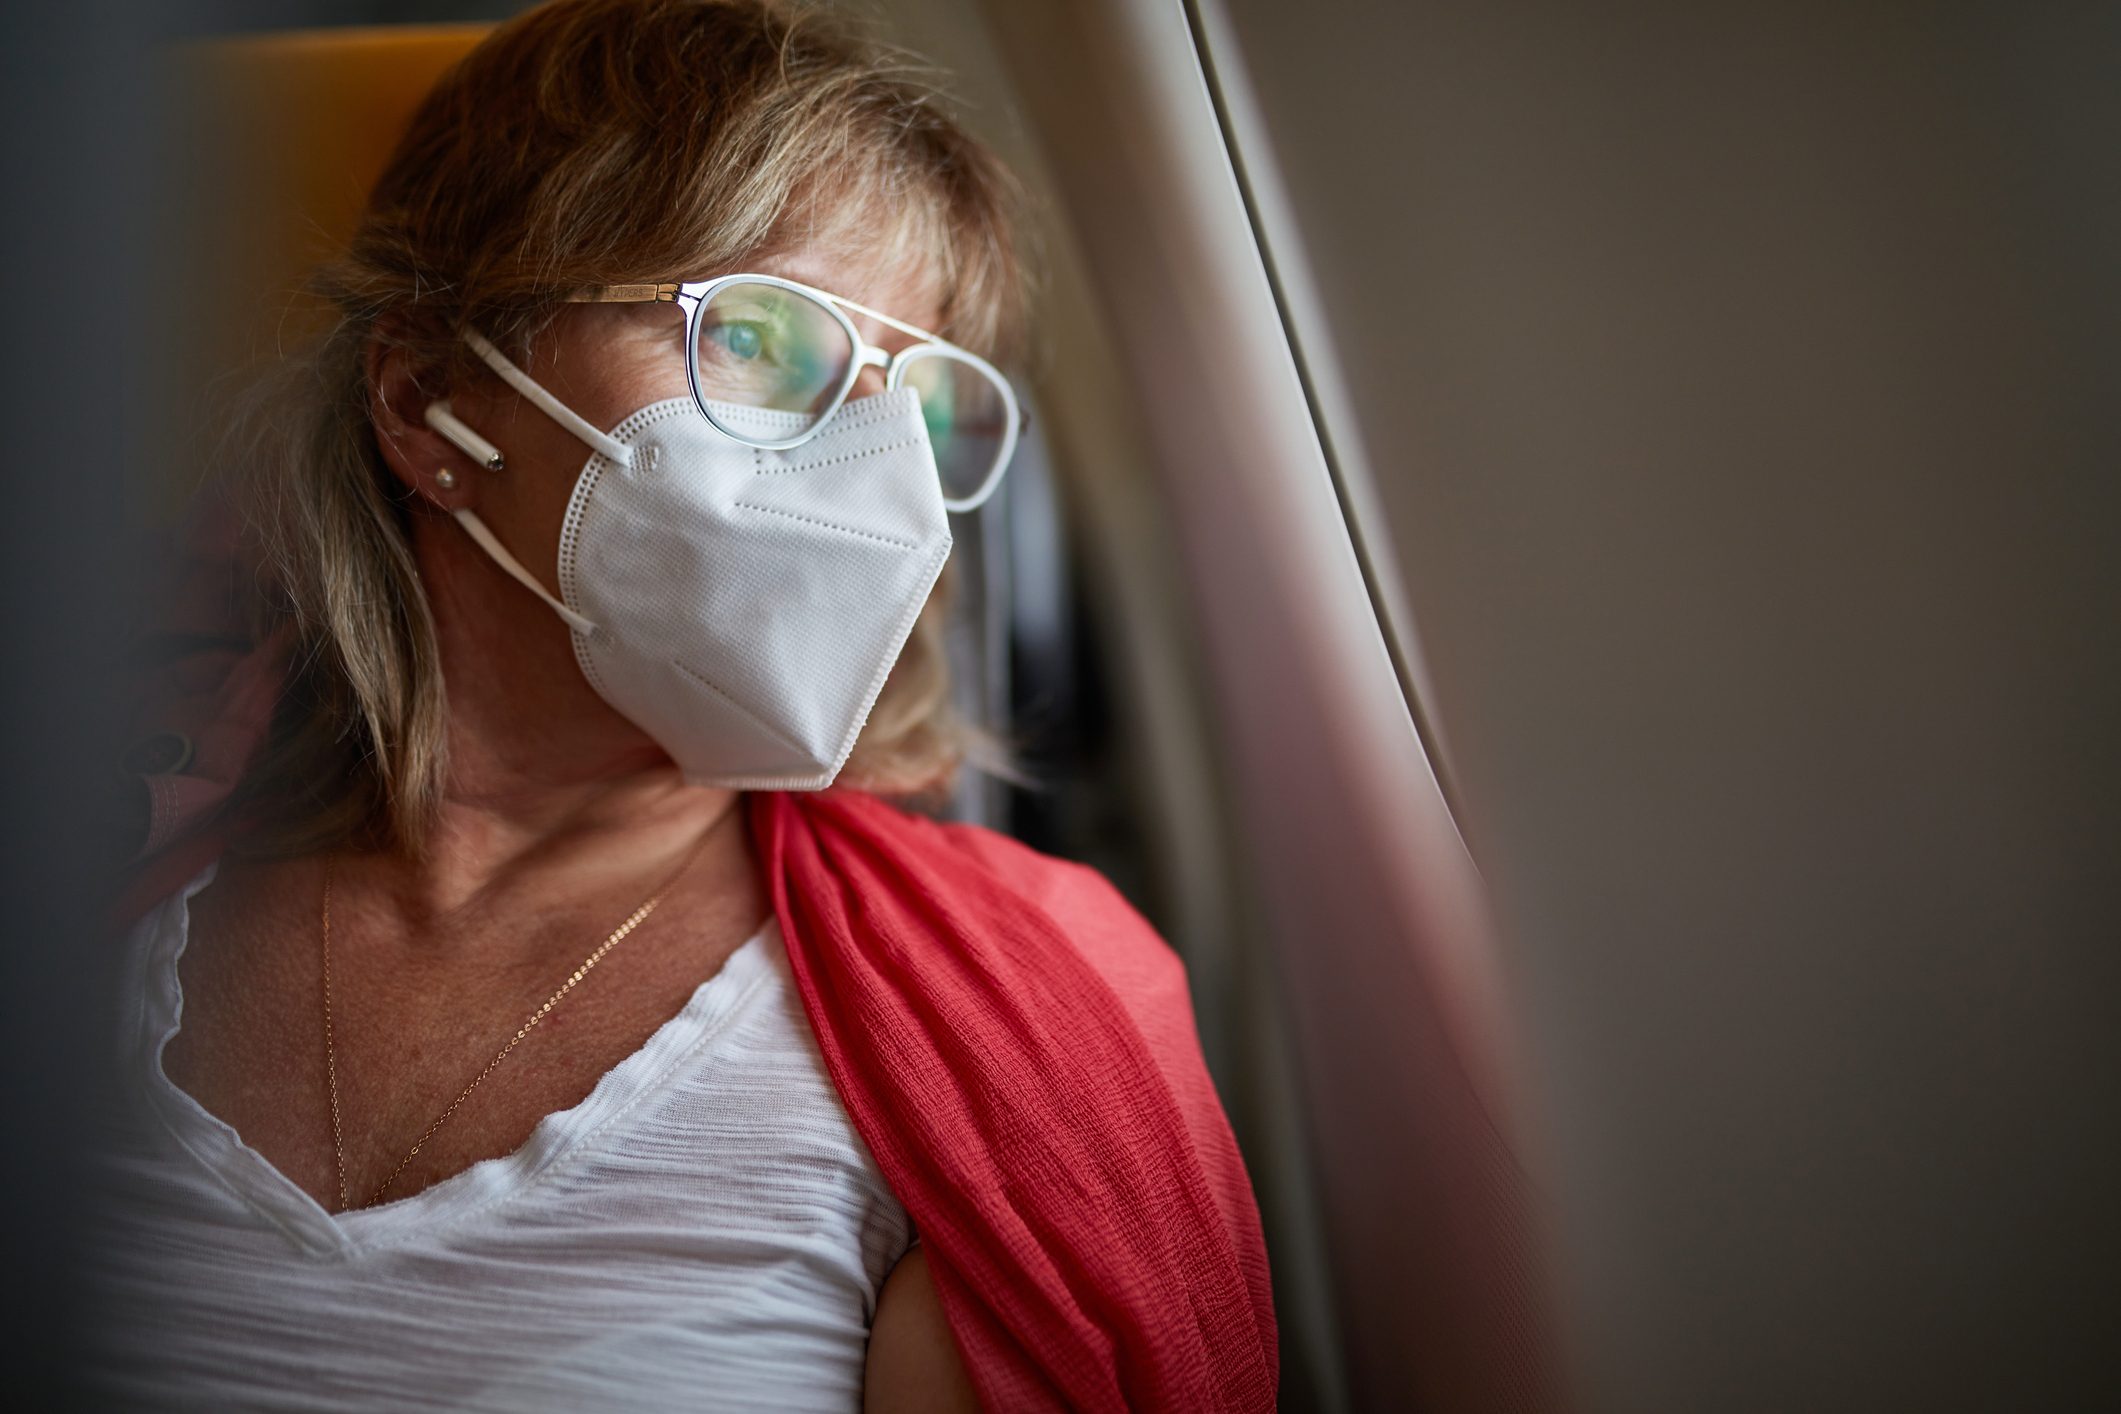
{"type": "Point", "coordinates": [742, 340]}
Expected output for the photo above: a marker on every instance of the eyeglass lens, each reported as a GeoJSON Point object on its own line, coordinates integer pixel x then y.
{"type": "Point", "coordinates": [763, 346]}
{"type": "Point", "coordinates": [966, 416]}
{"type": "Point", "coordinates": [769, 347]}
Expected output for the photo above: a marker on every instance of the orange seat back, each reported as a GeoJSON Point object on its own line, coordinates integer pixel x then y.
{"type": "Point", "coordinates": [275, 142]}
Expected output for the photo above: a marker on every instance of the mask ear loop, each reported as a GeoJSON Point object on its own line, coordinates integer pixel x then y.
{"type": "Point", "coordinates": [599, 441]}
{"type": "Point", "coordinates": [476, 529]}
{"type": "Point", "coordinates": [602, 442]}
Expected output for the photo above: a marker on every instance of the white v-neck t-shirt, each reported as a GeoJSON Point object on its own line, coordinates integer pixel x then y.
{"type": "Point", "coordinates": [704, 1231]}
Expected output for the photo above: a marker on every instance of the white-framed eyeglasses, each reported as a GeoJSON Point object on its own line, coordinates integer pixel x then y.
{"type": "Point", "coordinates": [762, 342]}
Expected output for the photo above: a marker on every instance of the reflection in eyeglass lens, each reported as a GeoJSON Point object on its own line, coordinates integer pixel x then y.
{"type": "Point", "coordinates": [967, 419]}
{"type": "Point", "coordinates": [765, 347]}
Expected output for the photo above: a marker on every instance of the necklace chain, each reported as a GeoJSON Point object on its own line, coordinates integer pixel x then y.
{"type": "Point", "coordinates": [331, 1064]}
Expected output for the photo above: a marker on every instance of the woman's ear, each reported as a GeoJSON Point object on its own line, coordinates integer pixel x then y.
{"type": "Point", "coordinates": [424, 460]}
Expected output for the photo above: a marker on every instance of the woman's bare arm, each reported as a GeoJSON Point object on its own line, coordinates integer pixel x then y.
{"type": "Point", "coordinates": [913, 1362]}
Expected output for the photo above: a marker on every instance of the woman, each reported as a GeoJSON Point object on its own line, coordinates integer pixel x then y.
{"type": "Point", "coordinates": [524, 1028]}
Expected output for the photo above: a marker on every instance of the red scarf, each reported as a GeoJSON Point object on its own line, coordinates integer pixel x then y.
{"type": "Point", "coordinates": [1016, 1047]}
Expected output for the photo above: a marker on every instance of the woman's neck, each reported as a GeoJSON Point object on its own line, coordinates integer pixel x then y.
{"type": "Point", "coordinates": [617, 833]}
{"type": "Point", "coordinates": [549, 791]}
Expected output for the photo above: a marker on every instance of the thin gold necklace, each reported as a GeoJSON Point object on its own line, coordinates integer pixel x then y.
{"type": "Point", "coordinates": [331, 1061]}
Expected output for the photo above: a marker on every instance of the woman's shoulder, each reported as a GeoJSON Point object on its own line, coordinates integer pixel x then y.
{"type": "Point", "coordinates": [1048, 879]}
{"type": "Point", "coordinates": [1086, 909]}
{"type": "Point", "coordinates": [1143, 971]}
{"type": "Point", "coordinates": [1014, 902]}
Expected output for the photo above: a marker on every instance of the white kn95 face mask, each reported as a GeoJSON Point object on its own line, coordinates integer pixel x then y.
{"type": "Point", "coordinates": [742, 606]}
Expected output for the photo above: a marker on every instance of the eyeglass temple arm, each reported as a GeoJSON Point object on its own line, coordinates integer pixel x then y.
{"type": "Point", "coordinates": [668, 294]}
{"type": "Point", "coordinates": [625, 294]}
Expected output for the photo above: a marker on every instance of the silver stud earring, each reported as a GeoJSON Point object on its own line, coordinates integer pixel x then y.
{"type": "Point", "coordinates": [446, 479]}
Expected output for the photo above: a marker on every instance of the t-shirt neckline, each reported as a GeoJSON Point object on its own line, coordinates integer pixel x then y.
{"type": "Point", "coordinates": [159, 946]}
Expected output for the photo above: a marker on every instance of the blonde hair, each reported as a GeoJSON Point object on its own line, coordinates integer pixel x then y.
{"type": "Point", "coordinates": [586, 142]}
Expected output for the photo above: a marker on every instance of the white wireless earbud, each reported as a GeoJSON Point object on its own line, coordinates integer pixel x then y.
{"type": "Point", "coordinates": [470, 443]}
